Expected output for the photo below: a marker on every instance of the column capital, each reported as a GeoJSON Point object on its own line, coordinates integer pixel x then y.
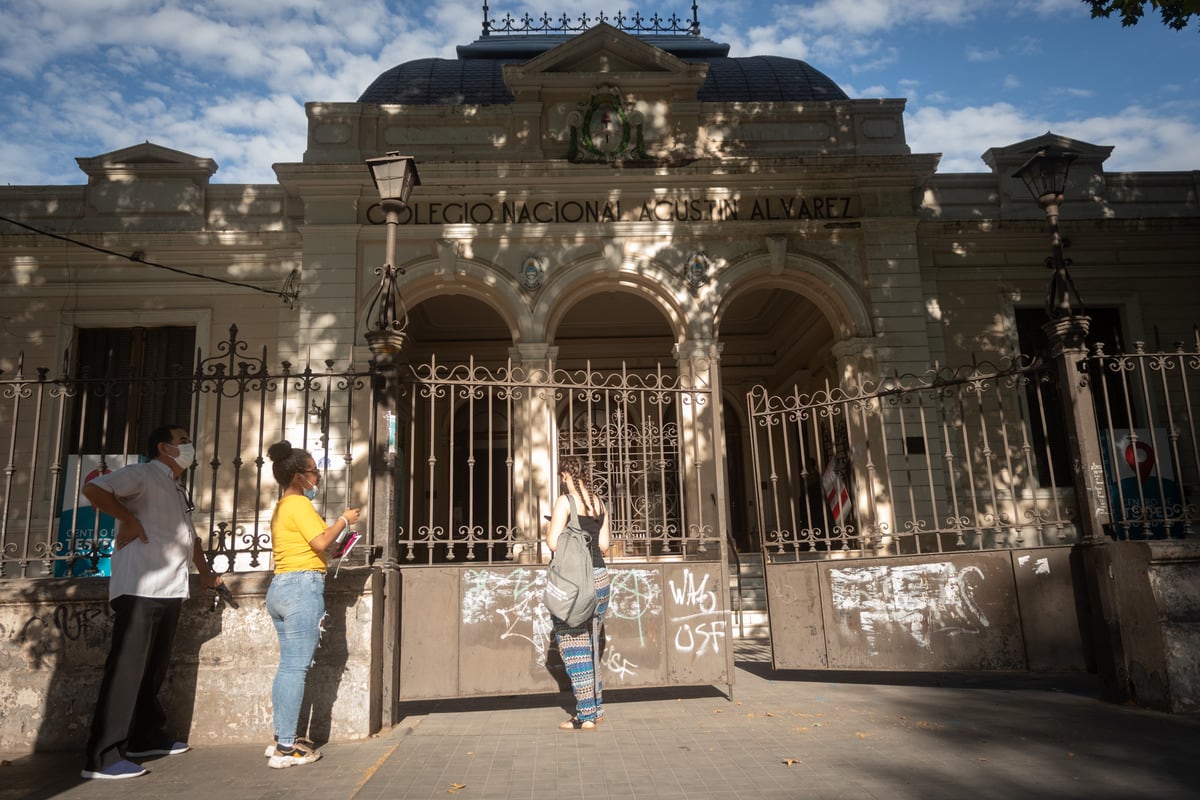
{"type": "Point", "coordinates": [538, 353]}
{"type": "Point", "coordinates": [1067, 334]}
{"type": "Point", "coordinates": [690, 349]}
{"type": "Point", "coordinates": [856, 346]}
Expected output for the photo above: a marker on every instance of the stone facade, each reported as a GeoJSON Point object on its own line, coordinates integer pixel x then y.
{"type": "Point", "coordinates": [604, 216]}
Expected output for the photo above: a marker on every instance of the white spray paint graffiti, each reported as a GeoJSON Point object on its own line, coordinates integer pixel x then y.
{"type": "Point", "coordinates": [921, 599]}
{"type": "Point", "coordinates": [1041, 566]}
{"type": "Point", "coordinates": [515, 596]}
{"type": "Point", "coordinates": [704, 628]}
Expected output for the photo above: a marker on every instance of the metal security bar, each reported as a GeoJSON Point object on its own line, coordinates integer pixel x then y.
{"type": "Point", "coordinates": [1148, 410]}
{"type": "Point", "coordinates": [61, 431]}
{"type": "Point", "coordinates": [947, 461]}
{"type": "Point", "coordinates": [480, 453]}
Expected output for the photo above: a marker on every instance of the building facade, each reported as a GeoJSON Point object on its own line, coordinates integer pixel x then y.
{"type": "Point", "coordinates": [629, 210]}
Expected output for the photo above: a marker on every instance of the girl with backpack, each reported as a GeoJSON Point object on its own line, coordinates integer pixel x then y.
{"type": "Point", "coordinates": [580, 646]}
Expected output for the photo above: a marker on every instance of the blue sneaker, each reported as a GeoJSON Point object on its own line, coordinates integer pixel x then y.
{"type": "Point", "coordinates": [115, 772]}
{"type": "Point", "coordinates": [164, 749]}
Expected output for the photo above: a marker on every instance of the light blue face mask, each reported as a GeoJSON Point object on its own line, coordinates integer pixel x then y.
{"type": "Point", "coordinates": [311, 491]}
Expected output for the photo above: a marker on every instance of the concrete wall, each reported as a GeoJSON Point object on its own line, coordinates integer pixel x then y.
{"type": "Point", "coordinates": [55, 634]}
{"type": "Point", "coordinates": [989, 610]}
{"type": "Point", "coordinates": [1151, 596]}
{"type": "Point", "coordinates": [484, 631]}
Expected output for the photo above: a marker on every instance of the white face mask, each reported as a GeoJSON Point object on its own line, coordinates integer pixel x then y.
{"type": "Point", "coordinates": [187, 454]}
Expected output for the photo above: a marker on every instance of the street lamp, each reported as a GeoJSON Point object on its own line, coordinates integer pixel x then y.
{"type": "Point", "coordinates": [1045, 175]}
{"type": "Point", "coordinates": [394, 176]}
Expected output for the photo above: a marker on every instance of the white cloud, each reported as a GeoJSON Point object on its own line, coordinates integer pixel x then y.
{"type": "Point", "coordinates": [228, 78]}
{"type": "Point", "coordinates": [1142, 138]}
{"type": "Point", "coordinates": [975, 54]}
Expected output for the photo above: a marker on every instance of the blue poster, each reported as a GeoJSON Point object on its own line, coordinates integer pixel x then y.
{"type": "Point", "coordinates": [80, 536]}
{"type": "Point", "coordinates": [1146, 499]}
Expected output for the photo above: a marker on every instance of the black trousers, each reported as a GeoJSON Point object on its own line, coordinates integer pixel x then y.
{"type": "Point", "coordinates": [128, 712]}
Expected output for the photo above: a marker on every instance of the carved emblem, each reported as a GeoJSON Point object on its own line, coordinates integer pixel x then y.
{"type": "Point", "coordinates": [605, 130]}
{"type": "Point", "coordinates": [532, 272]}
{"type": "Point", "coordinates": [696, 270]}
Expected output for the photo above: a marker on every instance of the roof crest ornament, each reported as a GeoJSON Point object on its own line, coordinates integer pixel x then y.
{"type": "Point", "coordinates": [636, 23]}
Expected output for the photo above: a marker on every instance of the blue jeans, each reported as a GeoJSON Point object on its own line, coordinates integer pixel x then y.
{"type": "Point", "coordinates": [296, 603]}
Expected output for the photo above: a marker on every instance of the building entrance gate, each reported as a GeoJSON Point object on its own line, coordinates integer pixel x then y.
{"type": "Point", "coordinates": [917, 524]}
{"type": "Point", "coordinates": [477, 450]}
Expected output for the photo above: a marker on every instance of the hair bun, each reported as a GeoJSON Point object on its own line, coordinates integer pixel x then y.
{"type": "Point", "coordinates": [280, 450]}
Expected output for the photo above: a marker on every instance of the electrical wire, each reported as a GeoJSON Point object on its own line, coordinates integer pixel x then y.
{"type": "Point", "coordinates": [291, 287]}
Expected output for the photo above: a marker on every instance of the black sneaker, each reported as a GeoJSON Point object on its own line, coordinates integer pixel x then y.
{"type": "Point", "coordinates": [114, 772]}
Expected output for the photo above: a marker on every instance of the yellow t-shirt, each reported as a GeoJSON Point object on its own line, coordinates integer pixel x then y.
{"type": "Point", "coordinates": [294, 524]}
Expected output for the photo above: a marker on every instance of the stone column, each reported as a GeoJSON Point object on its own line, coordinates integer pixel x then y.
{"type": "Point", "coordinates": [1068, 351]}
{"type": "Point", "coordinates": [534, 435]}
{"type": "Point", "coordinates": [702, 440]}
{"type": "Point", "coordinates": [873, 517]}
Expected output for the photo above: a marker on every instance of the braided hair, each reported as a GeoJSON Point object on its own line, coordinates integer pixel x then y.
{"type": "Point", "coordinates": [579, 473]}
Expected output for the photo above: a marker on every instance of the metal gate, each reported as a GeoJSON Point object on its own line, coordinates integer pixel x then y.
{"type": "Point", "coordinates": [478, 449]}
{"type": "Point", "coordinates": [908, 524]}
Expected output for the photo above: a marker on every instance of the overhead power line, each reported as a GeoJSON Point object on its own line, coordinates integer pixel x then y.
{"type": "Point", "coordinates": [289, 292]}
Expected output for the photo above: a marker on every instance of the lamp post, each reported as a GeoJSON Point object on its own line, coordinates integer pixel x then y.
{"type": "Point", "coordinates": [386, 319]}
{"type": "Point", "coordinates": [394, 176]}
{"type": "Point", "coordinates": [1045, 175]}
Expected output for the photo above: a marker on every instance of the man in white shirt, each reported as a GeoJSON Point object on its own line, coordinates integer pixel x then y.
{"type": "Point", "coordinates": [154, 542]}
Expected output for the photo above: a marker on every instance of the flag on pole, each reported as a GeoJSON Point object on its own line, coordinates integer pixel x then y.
{"type": "Point", "coordinates": [836, 495]}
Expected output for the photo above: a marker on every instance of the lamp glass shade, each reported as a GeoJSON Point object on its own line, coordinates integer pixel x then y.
{"type": "Point", "coordinates": [394, 175]}
{"type": "Point", "coordinates": [1046, 173]}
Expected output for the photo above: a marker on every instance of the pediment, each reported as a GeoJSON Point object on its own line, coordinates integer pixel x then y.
{"type": "Point", "coordinates": [603, 51]}
{"type": "Point", "coordinates": [1004, 160]}
{"type": "Point", "coordinates": [147, 159]}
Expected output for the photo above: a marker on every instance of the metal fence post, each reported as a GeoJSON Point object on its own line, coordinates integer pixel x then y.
{"type": "Point", "coordinates": [1068, 350]}
{"type": "Point", "coordinates": [386, 339]}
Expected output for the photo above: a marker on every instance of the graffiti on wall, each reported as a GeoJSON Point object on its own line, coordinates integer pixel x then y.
{"type": "Point", "coordinates": [513, 599]}
{"type": "Point", "coordinates": [42, 637]}
{"type": "Point", "coordinates": [700, 628]}
{"type": "Point", "coordinates": [919, 601]}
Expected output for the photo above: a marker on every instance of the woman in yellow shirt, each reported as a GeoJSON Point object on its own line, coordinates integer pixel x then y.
{"type": "Point", "coordinates": [296, 598]}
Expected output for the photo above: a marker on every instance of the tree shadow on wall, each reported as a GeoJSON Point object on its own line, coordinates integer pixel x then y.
{"type": "Point", "coordinates": [329, 665]}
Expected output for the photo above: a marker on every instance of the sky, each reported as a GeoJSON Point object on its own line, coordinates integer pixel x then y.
{"type": "Point", "coordinates": [228, 79]}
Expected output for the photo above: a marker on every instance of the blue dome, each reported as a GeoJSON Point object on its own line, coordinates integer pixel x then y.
{"type": "Point", "coordinates": [474, 80]}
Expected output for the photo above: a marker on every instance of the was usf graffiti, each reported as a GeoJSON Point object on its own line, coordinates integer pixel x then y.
{"type": "Point", "coordinates": [692, 622]}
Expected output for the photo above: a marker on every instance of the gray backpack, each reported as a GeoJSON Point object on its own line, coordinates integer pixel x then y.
{"type": "Point", "coordinates": [570, 592]}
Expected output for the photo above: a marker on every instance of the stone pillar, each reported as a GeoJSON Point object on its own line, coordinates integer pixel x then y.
{"type": "Point", "coordinates": [702, 440]}
{"type": "Point", "coordinates": [873, 517]}
{"type": "Point", "coordinates": [534, 436]}
{"type": "Point", "coordinates": [706, 461]}
{"type": "Point", "coordinates": [1068, 351]}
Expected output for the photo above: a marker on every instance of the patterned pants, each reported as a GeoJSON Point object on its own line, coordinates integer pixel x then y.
{"type": "Point", "coordinates": [575, 646]}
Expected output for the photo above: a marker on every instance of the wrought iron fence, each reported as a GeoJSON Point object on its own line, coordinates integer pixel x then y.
{"type": "Point", "coordinates": [636, 23]}
{"type": "Point", "coordinates": [1148, 408]}
{"type": "Point", "coordinates": [481, 446]}
{"type": "Point", "coordinates": [950, 460]}
{"type": "Point", "coordinates": [474, 448]}
{"type": "Point", "coordinates": [63, 430]}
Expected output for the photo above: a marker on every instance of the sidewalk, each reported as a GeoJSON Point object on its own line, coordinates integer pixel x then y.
{"type": "Point", "coordinates": [784, 735]}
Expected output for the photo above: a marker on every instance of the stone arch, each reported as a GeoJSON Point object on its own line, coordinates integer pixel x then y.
{"type": "Point", "coordinates": [427, 278]}
{"type": "Point", "coordinates": [821, 283]}
{"type": "Point", "coordinates": [650, 280]}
